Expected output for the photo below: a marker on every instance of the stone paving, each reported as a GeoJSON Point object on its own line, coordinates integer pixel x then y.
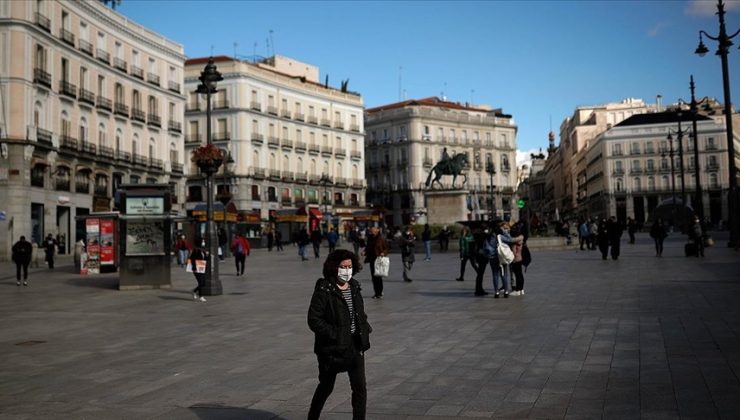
{"type": "Point", "coordinates": [641, 337]}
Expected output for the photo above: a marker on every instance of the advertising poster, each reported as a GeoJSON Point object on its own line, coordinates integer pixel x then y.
{"type": "Point", "coordinates": [93, 246]}
{"type": "Point", "coordinates": [145, 238]}
{"type": "Point", "coordinates": [106, 242]}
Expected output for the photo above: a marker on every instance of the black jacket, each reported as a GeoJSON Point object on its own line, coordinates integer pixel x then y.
{"type": "Point", "coordinates": [22, 252]}
{"type": "Point", "coordinates": [328, 318]}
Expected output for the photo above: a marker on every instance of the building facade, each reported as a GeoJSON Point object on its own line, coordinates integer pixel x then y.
{"type": "Point", "coordinates": [88, 100]}
{"type": "Point", "coordinates": [406, 139]}
{"type": "Point", "coordinates": [296, 144]}
{"type": "Point", "coordinates": [629, 170]}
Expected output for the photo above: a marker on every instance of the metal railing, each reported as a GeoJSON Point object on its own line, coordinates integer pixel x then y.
{"type": "Point", "coordinates": [286, 143]}
{"type": "Point", "coordinates": [152, 78]}
{"type": "Point", "coordinates": [42, 77]}
{"type": "Point", "coordinates": [300, 145]}
{"type": "Point", "coordinates": [298, 116]}
{"type": "Point", "coordinates": [272, 110]}
{"type": "Point", "coordinates": [89, 148]}
{"type": "Point", "coordinates": [123, 156]}
{"type": "Point", "coordinates": [222, 104]}
{"type": "Point", "coordinates": [138, 115]}
{"type": "Point", "coordinates": [156, 163]}
{"type": "Point", "coordinates": [68, 89]}
{"type": "Point", "coordinates": [193, 138]}
{"type": "Point", "coordinates": [175, 126]}
{"type": "Point", "coordinates": [140, 160]}
{"type": "Point", "coordinates": [285, 113]}
{"type": "Point", "coordinates": [104, 103]}
{"type": "Point", "coordinates": [273, 141]}
{"type": "Point", "coordinates": [312, 119]}
{"type": "Point", "coordinates": [173, 86]}
{"type": "Point", "coordinates": [354, 127]}
{"type": "Point", "coordinates": [86, 96]}
{"type": "Point", "coordinates": [154, 119]}
{"type": "Point", "coordinates": [177, 167]}
{"type": "Point", "coordinates": [340, 152]}
{"type": "Point", "coordinates": [137, 72]}
{"type": "Point", "coordinates": [102, 55]}
{"type": "Point", "coordinates": [221, 136]}
{"type": "Point", "coordinates": [355, 154]}
{"type": "Point", "coordinates": [67, 37]}
{"type": "Point", "coordinates": [312, 148]}
{"type": "Point", "coordinates": [68, 142]}
{"type": "Point", "coordinates": [86, 47]}
{"type": "Point", "coordinates": [326, 150]}
{"type": "Point", "coordinates": [43, 22]}
{"type": "Point", "coordinates": [257, 138]}
{"type": "Point", "coordinates": [192, 107]}
{"type": "Point", "coordinates": [256, 106]}
{"type": "Point", "coordinates": [43, 136]}
{"type": "Point", "coordinates": [120, 109]}
{"type": "Point", "coordinates": [325, 122]}
{"type": "Point", "coordinates": [120, 64]}
{"type": "Point", "coordinates": [106, 151]}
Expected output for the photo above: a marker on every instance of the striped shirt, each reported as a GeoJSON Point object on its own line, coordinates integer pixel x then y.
{"type": "Point", "coordinates": [347, 295]}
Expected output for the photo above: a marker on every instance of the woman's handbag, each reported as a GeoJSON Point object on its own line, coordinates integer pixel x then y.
{"type": "Point", "coordinates": [382, 266]}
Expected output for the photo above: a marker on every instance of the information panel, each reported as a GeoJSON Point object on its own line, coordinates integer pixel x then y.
{"type": "Point", "coordinates": [145, 238]}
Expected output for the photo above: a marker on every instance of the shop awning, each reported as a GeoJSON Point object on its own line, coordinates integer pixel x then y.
{"type": "Point", "coordinates": [201, 212]}
{"type": "Point", "coordinates": [366, 215]}
{"type": "Point", "coordinates": [289, 215]}
{"type": "Point", "coordinates": [315, 213]}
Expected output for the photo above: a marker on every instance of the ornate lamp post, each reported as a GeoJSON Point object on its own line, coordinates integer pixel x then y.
{"type": "Point", "coordinates": [491, 170]}
{"type": "Point", "coordinates": [679, 135]}
{"type": "Point", "coordinates": [208, 78]}
{"type": "Point", "coordinates": [225, 195]}
{"type": "Point", "coordinates": [325, 180]}
{"type": "Point", "coordinates": [673, 179]}
{"type": "Point", "coordinates": [723, 49]}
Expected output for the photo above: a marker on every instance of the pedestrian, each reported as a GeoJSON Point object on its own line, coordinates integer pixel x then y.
{"type": "Point", "coordinates": [426, 237]}
{"type": "Point", "coordinates": [21, 256]}
{"type": "Point", "coordinates": [376, 247]}
{"type": "Point", "coordinates": [516, 266]}
{"type": "Point", "coordinates": [467, 251]}
{"type": "Point", "coordinates": [332, 237]}
{"type": "Point", "coordinates": [631, 228]}
{"type": "Point", "coordinates": [341, 331]}
{"type": "Point", "coordinates": [240, 248]}
{"type": "Point", "coordinates": [658, 232]}
{"type": "Point", "coordinates": [583, 232]}
{"type": "Point", "coordinates": [183, 250]}
{"type": "Point", "coordinates": [302, 240]}
{"type": "Point", "coordinates": [444, 239]}
{"type": "Point", "coordinates": [614, 231]}
{"type": "Point", "coordinates": [222, 239]}
{"type": "Point", "coordinates": [481, 257]}
{"type": "Point", "coordinates": [354, 238]}
{"type": "Point", "coordinates": [695, 234]}
{"type": "Point", "coordinates": [316, 237]}
{"type": "Point", "coordinates": [199, 261]}
{"type": "Point", "coordinates": [406, 243]}
{"type": "Point", "coordinates": [270, 239]}
{"type": "Point", "coordinates": [278, 240]}
{"type": "Point", "coordinates": [49, 248]}
{"type": "Point", "coordinates": [603, 238]}
{"type": "Point", "coordinates": [593, 234]}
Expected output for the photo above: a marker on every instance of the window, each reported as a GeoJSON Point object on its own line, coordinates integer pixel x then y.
{"type": "Point", "coordinates": [101, 41]}
{"type": "Point", "coordinates": [152, 66]}
{"type": "Point", "coordinates": [635, 148]}
{"type": "Point", "coordinates": [298, 135]}
{"type": "Point", "coordinates": [83, 129]}
{"type": "Point", "coordinates": [101, 86]}
{"type": "Point", "coordinates": [136, 58]}
{"type": "Point", "coordinates": [118, 50]}
{"type": "Point", "coordinates": [649, 147]}
{"type": "Point", "coordinates": [663, 164]}
{"type": "Point", "coordinates": [636, 165]}
{"type": "Point", "coordinates": [402, 132]}
{"type": "Point", "coordinates": [256, 192]}
{"type": "Point", "coordinates": [440, 133]}
{"type": "Point", "coordinates": [40, 58]}
{"type": "Point", "coordinates": [136, 100]}
{"type": "Point", "coordinates": [636, 184]}
{"type": "Point", "coordinates": [101, 135]}
{"type": "Point", "coordinates": [119, 94]}
{"type": "Point", "coordinates": [713, 180]}
{"type": "Point", "coordinates": [65, 69]}
{"type": "Point", "coordinates": [84, 32]}
{"type": "Point", "coordinates": [664, 181]}
{"type": "Point", "coordinates": [153, 106]}
{"type": "Point", "coordinates": [83, 78]}
{"type": "Point", "coordinates": [619, 185]}
{"type": "Point", "coordinates": [464, 137]}
{"type": "Point", "coordinates": [618, 166]}
{"type": "Point", "coordinates": [617, 149]}
{"type": "Point", "coordinates": [650, 165]}
{"type": "Point", "coordinates": [710, 143]}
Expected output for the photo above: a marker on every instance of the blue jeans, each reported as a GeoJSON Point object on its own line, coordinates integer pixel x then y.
{"type": "Point", "coordinates": [182, 256]}
{"type": "Point", "coordinates": [302, 251]}
{"type": "Point", "coordinates": [498, 277]}
{"type": "Point", "coordinates": [428, 249]}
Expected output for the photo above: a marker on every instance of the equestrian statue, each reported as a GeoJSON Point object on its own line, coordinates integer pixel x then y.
{"type": "Point", "coordinates": [448, 166]}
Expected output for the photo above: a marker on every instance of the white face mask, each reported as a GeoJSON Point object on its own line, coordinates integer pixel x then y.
{"type": "Point", "coordinates": [344, 274]}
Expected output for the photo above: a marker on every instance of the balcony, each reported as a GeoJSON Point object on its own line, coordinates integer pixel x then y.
{"type": "Point", "coordinates": [635, 171]}
{"type": "Point", "coordinates": [87, 96]}
{"type": "Point", "coordinates": [104, 103]}
{"type": "Point", "coordinates": [123, 156]}
{"type": "Point", "coordinates": [86, 47]}
{"type": "Point", "coordinates": [177, 167]}
{"type": "Point", "coordinates": [175, 126]}
{"type": "Point", "coordinates": [286, 143]}
{"type": "Point", "coordinates": [340, 152]}
{"type": "Point", "coordinates": [617, 152]}
{"type": "Point", "coordinates": [326, 150]}
{"type": "Point", "coordinates": [42, 77]}
{"type": "Point", "coordinates": [257, 138]}
{"type": "Point", "coordinates": [255, 106]}
{"type": "Point", "coordinates": [121, 109]}
{"type": "Point", "coordinates": [325, 122]}
{"type": "Point", "coordinates": [67, 89]}
{"type": "Point", "coordinates": [272, 110]}
{"type": "Point", "coordinates": [312, 119]}
{"type": "Point", "coordinates": [711, 166]}
{"type": "Point", "coordinates": [120, 64]}
{"type": "Point", "coordinates": [103, 55]}
{"type": "Point", "coordinates": [354, 127]}
{"type": "Point", "coordinates": [154, 119]}
{"type": "Point", "coordinates": [285, 200]}
{"type": "Point", "coordinates": [355, 155]}
{"type": "Point", "coordinates": [313, 200]}
{"type": "Point", "coordinates": [101, 190]}
{"type": "Point", "coordinates": [300, 145]}
{"type": "Point", "coordinates": [192, 107]}
{"type": "Point", "coordinates": [43, 22]}
{"type": "Point", "coordinates": [82, 187]}
{"type": "Point", "coordinates": [286, 176]}
{"type": "Point", "coordinates": [341, 182]}
{"type": "Point", "coordinates": [193, 139]}
{"type": "Point", "coordinates": [711, 147]}
{"type": "Point", "coordinates": [173, 86]}
{"type": "Point", "coordinates": [152, 78]}
{"type": "Point", "coordinates": [298, 116]}
{"type": "Point", "coordinates": [156, 163]}
{"type": "Point", "coordinates": [222, 104]}
{"type": "Point", "coordinates": [634, 152]}
{"type": "Point", "coordinates": [301, 177]}
{"type": "Point", "coordinates": [314, 179]}
{"type": "Point", "coordinates": [285, 113]}
{"type": "Point", "coordinates": [106, 152]}
{"type": "Point", "coordinates": [258, 173]}
{"type": "Point", "coordinates": [618, 172]}
{"type": "Point", "coordinates": [221, 136]}
{"type": "Point", "coordinates": [650, 170]}
{"type": "Point", "coordinates": [138, 115]}
{"type": "Point", "coordinates": [43, 136]}
{"type": "Point", "coordinates": [67, 142]}
{"type": "Point", "coordinates": [273, 141]}
{"type": "Point", "coordinates": [89, 148]}
{"type": "Point", "coordinates": [312, 148]}
{"type": "Point", "coordinates": [61, 184]}
{"type": "Point", "coordinates": [274, 174]}
{"type": "Point", "coordinates": [137, 72]}
{"type": "Point", "coordinates": [339, 125]}
{"type": "Point", "coordinates": [140, 160]}
{"type": "Point", "coordinates": [505, 168]}
{"type": "Point", "coordinates": [357, 183]}
{"type": "Point", "coordinates": [67, 37]}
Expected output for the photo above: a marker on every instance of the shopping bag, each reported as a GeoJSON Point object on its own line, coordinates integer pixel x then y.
{"type": "Point", "coordinates": [200, 267]}
{"type": "Point", "coordinates": [382, 266]}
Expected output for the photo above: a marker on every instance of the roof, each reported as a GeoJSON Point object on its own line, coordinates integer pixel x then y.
{"type": "Point", "coordinates": [433, 101]}
{"type": "Point", "coordinates": [660, 118]}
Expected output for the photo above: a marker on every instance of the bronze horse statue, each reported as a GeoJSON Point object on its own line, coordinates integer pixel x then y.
{"type": "Point", "coordinates": [453, 166]}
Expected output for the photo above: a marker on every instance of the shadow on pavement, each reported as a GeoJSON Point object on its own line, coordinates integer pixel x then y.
{"type": "Point", "coordinates": [96, 282]}
{"type": "Point", "coordinates": [218, 412]}
{"type": "Point", "coordinates": [165, 297]}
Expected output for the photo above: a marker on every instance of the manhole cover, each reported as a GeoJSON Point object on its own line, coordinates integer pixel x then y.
{"type": "Point", "coordinates": [30, 343]}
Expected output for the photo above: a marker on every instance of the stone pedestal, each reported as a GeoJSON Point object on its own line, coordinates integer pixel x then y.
{"type": "Point", "coordinates": [445, 207]}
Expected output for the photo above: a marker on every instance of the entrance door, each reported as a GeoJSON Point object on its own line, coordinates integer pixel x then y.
{"type": "Point", "coordinates": [80, 228]}
{"type": "Point", "coordinates": [63, 218]}
{"type": "Point", "coordinates": [639, 206]}
{"type": "Point", "coordinates": [621, 211]}
{"type": "Point", "coordinates": [715, 207]}
{"type": "Point", "coordinates": [37, 222]}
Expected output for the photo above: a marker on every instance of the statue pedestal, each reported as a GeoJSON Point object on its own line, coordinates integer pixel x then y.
{"type": "Point", "coordinates": [445, 207]}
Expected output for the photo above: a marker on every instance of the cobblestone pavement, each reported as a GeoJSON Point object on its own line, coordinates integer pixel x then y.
{"type": "Point", "coordinates": [641, 337]}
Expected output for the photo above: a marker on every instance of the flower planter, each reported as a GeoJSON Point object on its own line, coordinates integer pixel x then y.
{"type": "Point", "coordinates": [209, 167]}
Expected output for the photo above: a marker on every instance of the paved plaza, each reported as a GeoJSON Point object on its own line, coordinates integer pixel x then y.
{"type": "Point", "coordinates": [641, 337]}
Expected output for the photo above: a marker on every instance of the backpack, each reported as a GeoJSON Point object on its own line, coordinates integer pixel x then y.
{"type": "Point", "coordinates": [526, 256]}
{"type": "Point", "coordinates": [488, 250]}
{"type": "Point", "coordinates": [505, 254]}
{"type": "Point", "coordinates": [239, 248]}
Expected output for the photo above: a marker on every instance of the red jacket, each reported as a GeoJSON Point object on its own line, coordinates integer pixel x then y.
{"type": "Point", "coordinates": [245, 245]}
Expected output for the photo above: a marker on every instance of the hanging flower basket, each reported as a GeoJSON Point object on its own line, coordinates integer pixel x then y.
{"type": "Point", "coordinates": [208, 158]}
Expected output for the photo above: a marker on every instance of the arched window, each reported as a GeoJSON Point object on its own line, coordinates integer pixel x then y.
{"type": "Point", "coordinates": [66, 125]}
{"type": "Point", "coordinates": [355, 172]}
{"type": "Point", "coordinates": [119, 94]}
{"type": "Point", "coordinates": [83, 129]}
{"type": "Point", "coordinates": [135, 144]}
{"type": "Point", "coordinates": [326, 168]}
{"type": "Point", "coordinates": [38, 111]}
{"type": "Point", "coordinates": [651, 183]}
{"type": "Point", "coordinates": [636, 184]}
{"type": "Point", "coordinates": [256, 158]}
{"type": "Point", "coordinates": [119, 136]}
{"type": "Point", "coordinates": [273, 161]}
{"type": "Point", "coordinates": [313, 167]}
{"type": "Point", "coordinates": [340, 172]}
{"type": "Point", "coordinates": [713, 180]}
{"type": "Point", "coordinates": [619, 185]}
{"type": "Point", "coordinates": [173, 153]}
{"type": "Point", "coordinates": [152, 148]}
{"type": "Point", "coordinates": [101, 134]}
{"type": "Point", "coordinates": [299, 165]}
{"type": "Point", "coordinates": [286, 163]}
{"type": "Point", "coordinates": [153, 106]}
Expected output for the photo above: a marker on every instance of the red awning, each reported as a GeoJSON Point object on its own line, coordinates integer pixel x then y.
{"type": "Point", "coordinates": [315, 213]}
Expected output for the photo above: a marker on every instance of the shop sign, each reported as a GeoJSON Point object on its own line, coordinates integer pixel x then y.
{"type": "Point", "coordinates": [144, 205]}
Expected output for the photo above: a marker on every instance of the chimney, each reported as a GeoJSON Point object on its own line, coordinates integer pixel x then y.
{"type": "Point", "coordinates": [659, 103]}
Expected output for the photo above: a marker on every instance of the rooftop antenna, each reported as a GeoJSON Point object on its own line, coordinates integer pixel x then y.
{"type": "Point", "coordinates": [400, 84]}
{"type": "Point", "coordinates": [272, 43]}
{"type": "Point", "coordinates": [267, 47]}
{"type": "Point", "coordinates": [472, 91]}
{"type": "Point", "coordinates": [404, 94]}
{"type": "Point", "coordinates": [444, 89]}
{"type": "Point", "coordinates": [211, 50]}
{"type": "Point", "coordinates": [235, 45]}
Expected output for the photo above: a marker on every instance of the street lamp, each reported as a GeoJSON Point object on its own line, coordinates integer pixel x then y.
{"type": "Point", "coordinates": [673, 180]}
{"type": "Point", "coordinates": [225, 195]}
{"type": "Point", "coordinates": [723, 49]}
{"type": "Point", "coordinates": [325, 180]}
{"type": "Point", "coordinates": [491, 170]}
{"type": "Point", "coordinates": [679, 134]}
{"type": "Point", "coordinates": [208, 78]}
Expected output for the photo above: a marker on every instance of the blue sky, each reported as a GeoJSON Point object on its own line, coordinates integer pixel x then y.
{"type": "Point", "coordinates": [536, 60]}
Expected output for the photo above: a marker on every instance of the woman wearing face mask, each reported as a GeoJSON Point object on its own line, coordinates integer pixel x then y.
{"type": "Point", "coordinates": [341, 331]}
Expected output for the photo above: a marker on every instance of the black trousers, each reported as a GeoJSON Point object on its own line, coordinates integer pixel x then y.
{"type": "Point", "coordinates": [201, 279]}
{"type": "Point", "coordinates": [482, 262]}
{"type": "Point", "coordinates": [239, 261]}
{"type": "Point", "coordinates": [332, 246]}
{"type": "Point", "coordinates": [377, 280]}
{"type": "Point", "coordinates": [516, 270]}
{"type": "Point", "coordinates": [464, 262]}
{"type": "Point", "coordinates": [658, 246]}
{"type": "Point", "coordinates": [21, 265]}
{"type": "Point", "coordinates": [328, 376]}
{"type": "Point", "coordinates": [50, 259]}
{"type": "Point", "coordinates": [615, 250]}
{"type": "Point", "coordinates": [316, 248]}
{"type": "Point", "coordinates": [604, 248]}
